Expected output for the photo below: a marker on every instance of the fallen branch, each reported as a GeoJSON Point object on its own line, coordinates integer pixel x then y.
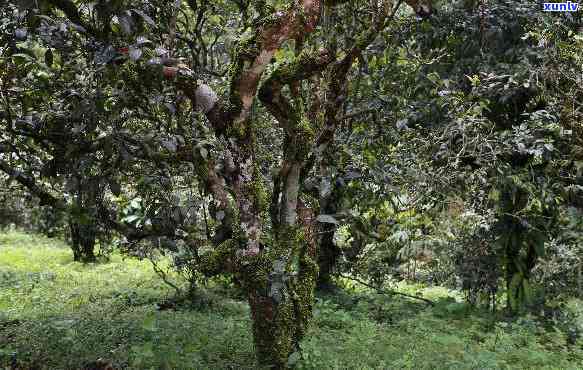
{"type": "Point", "coordinates": [390, 292]}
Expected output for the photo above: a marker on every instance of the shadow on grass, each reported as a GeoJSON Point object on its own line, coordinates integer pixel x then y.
{"type": "Point", "coordinates": [135, 336]}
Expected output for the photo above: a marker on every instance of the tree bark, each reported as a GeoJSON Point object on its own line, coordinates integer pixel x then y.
{"type": "Point", "coordinates": [327, 258]}
{"type": "Point", "coordinates": [282, 296]}
{"type": "Point", "coordinates": [82, 241]}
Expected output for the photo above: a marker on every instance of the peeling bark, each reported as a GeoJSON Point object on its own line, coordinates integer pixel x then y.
{"type": "Point", "coordinates": [290, 195]}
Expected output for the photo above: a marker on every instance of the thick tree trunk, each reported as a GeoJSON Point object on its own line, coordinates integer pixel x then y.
{"type": "Point", "coordinates": [275, 329]}
{"type": "Point", "coordinates": [281, 307]}
{"type": "Point", "coordinates": [280, 287]}
{"type": "Point", "coordinates": [87, 242]}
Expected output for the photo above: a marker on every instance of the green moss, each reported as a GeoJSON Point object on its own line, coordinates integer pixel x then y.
{"type": "Point", "coordinates": [286, 241]}
{"type": "Point", "coordinates": [245, 52]}
{"type": "Point", "coordinates": [307, 134]}
{"type": "Point", "coordinates": [278, 337]}
{"type": "Point", "coordinates": [237, 130]}
{"type": "Point", "coordinates": [311, 201]}
{"type": "Point", "coordinates": [255, 272]}
{"type": "Point", "coordinates": [213, 263]}
{"type": "Point", "coordinates": [300, 137]}
{"type": "Point", "coordinates": [305, 287]}
{"type": "Point", "coordinates": [247, 48]}
{"type": "Point", "coordinates": [285, 336]}
{"type": "Point", "coordinates": [259, 190]}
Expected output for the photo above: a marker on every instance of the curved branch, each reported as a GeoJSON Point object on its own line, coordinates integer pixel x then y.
{"type": "Point", "coordinates": [204, 99]}
{"type": "Point", "coordinates": [255, 53]}
{"type": "Point", "coordinates": [45, 197]}
{"type": "Point", "coordinates": [305, 66]}
{"type": "Point", "coordinates": [298, 133]}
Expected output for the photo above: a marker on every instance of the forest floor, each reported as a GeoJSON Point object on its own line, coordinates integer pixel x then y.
{"type": "Point", "coordinates": [60, 314]}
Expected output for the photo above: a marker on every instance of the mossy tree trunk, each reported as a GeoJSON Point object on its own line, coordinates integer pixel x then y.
{"type": "Point", "coordinates": [279, 270]}
{"type": "Point", "coordinates": [281, 296]}
{"type": "Point", "coordinates": [281, 284]}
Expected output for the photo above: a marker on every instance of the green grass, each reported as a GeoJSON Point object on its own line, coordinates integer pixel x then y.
{"type": "Point", "coordinates": [59, 314]}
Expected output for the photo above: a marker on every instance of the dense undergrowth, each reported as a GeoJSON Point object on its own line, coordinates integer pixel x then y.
{"type": "Point", "coordinates": [60, 314]}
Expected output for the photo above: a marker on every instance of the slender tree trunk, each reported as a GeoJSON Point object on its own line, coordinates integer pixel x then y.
{"type": "Point", "coordinates": [83, 234]}
{"type": "Point", "coordinates": [327, 257]}
{"type": "Point", "coordinates": [82, 241]}
{"type": "Point", "coordinates": [75, 245]}
{"type": "Point", "coordinates": [87, 242]}
{"type": "Point", "coordinates": [512, 293]}
{"type": "Point", "coordinates": [328, 252]}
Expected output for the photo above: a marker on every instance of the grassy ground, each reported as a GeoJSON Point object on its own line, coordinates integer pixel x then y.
{"type": "Point", "coordinates": [59, 314]}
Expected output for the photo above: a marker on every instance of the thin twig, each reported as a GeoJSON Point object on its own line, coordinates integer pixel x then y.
{"type": "Point", "coordinates": [390, 292]}
{"type": "Point", "coordinates": [356, 114]}
{"type": "Point", "coordinates": [162, 274]}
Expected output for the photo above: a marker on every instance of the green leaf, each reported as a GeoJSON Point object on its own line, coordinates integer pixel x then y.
{"type": "Point", "coordinates": [131, 218]}
{"type": "Point", "coordinates": [203, 152]}
{"type": "Point", "coordinates": [327, 219]}
{"type": "Point", "coordinates": [21, 58]}
{"type": "Point", "coordinates": [293, 359]}
{"type": "Point", "coordinates": [145, 17]}
{"type": "Point", "coordinates": [149, 323]}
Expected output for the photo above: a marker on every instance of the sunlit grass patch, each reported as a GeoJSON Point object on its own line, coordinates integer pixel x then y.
{"type": "Point", "coordinates": [59, 314]}
{"type": "Point", "coordinates": [62, 314]}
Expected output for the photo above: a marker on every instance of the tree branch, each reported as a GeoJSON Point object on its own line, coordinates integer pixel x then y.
{"type": "Point", "coordinates": [45, 197]}
{"type": "Point", "coordinates": [390, 292]}
{"type": "Point", "coordinates": [255, 53]}
{"type": "Point", "coordinates": [304, 66]}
